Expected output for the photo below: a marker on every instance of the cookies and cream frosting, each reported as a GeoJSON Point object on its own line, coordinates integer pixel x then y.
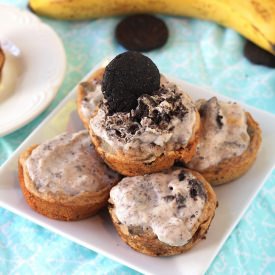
{"type": "Point", "coordinates": [93, 95]}
{"type": "Point", "coordinates": [68, 164]}
{"type": "Point", "coordinates": [169, 203]}
{"type": "Point", "coordinates": [163, 121]}
{"type": "Point", "coordinates": [224, 133]}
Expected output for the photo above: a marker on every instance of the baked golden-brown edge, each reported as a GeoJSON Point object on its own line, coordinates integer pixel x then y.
{"type": "Point", "coordinates": [126, 166]}
{"type": "Point", "coordinates": [147, 242]}
{"type": "Point", "coordinates": [60, 207]}
{"type": "Point", "coordinates": [98, 74]}
{"type": "Point", "coordinates": [233, 168]}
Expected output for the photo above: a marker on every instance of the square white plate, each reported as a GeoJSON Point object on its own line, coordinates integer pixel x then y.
{"type": "Point", "coordinates": [97, 233]}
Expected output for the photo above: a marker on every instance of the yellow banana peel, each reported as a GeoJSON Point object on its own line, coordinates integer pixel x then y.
{"type": "Point", "coordinates": [254, 19]}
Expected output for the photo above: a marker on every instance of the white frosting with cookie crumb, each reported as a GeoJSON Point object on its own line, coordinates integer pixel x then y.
{"type": "Point", "coordinates": [68, 164]}
{"type": "Point", "coordinates": [224, 133]}
{"type": "Point", "coordinates": [93, 95]}
{"type": "Point", "coordinates": [170, 203]}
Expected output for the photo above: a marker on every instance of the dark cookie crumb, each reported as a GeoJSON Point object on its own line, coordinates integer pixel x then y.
{"type": "Point", "coordinates": [133, 129]}
{"type": "Point", "coordinates": [156, 117]}
{"type": "Point", "coordinates": [118, 133]}
{"type": "Point", "coordinates": [219, 121]}
{"type": "Point", "coordinates": [180, 200]}
{"type": "Point", "coordinates": [181, 176]}
{"type": "Point", "coordinates": [166, 117]}
{"type": "Point", "coordinates": [196, 189]}
{"type": "Point", "coordinates": [179, 163]}
{"type": "Point", "coordinates": [169, 198]}
{"type": "Point", "coordinates": [141, 111]}
{"type": "Point", "coordinates": [193, 193]}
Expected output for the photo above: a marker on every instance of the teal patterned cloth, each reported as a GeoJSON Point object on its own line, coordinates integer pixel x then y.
{"type": "Point", "coordinates": [199, 52]}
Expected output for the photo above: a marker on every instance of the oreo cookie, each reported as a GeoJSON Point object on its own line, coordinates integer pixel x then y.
{"type": "Point", "coordinates": [126, 78]}
{"type": "Point", "coordinates": [141, 32]}
{"type": "Point", "coordinates": [258, 56]}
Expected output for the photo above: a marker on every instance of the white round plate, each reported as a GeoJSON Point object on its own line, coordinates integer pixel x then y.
{"type": "Point", "coordinates": [42, 65]}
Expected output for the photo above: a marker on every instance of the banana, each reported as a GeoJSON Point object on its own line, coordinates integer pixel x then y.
{"type": "Point", "coordinates": [254, 19]}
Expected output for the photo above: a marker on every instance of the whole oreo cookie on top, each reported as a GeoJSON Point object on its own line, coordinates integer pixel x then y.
{"type": "Point", "coordinates": [258, 56]}
{"type": "Point", "coordinates": [126, 78]}
{"type": "Point", "coordinates": [141, 32]}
